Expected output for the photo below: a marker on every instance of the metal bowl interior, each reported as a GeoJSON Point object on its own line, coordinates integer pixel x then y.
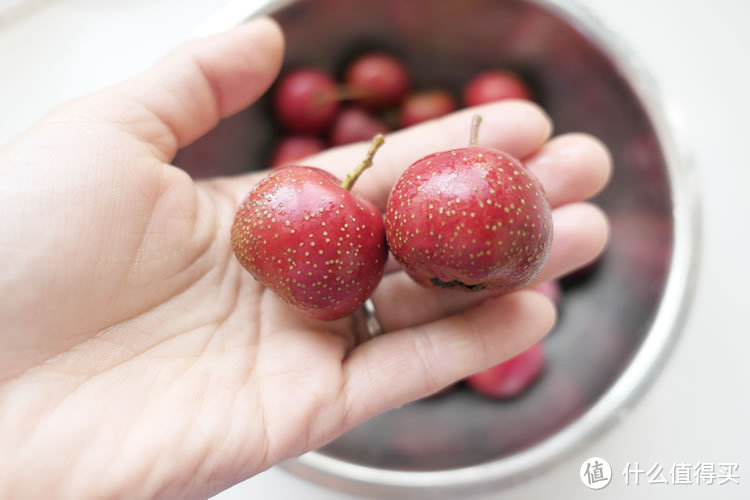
{"type": "Point", "coordinates": [617, 320]}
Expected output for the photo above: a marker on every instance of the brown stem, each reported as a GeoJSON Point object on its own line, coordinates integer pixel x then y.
{"type": "Point", "coordinates": [377, 141]}
{"type": "Point", "coordinates": [350, 93]}
{"type": "Point", "coordinates": [341, 94]}
{"type": "Point", "coordinates": [473, 138]}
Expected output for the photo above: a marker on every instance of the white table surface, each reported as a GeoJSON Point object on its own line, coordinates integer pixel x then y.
{"type": "Point", "coordinates": [698, 410]}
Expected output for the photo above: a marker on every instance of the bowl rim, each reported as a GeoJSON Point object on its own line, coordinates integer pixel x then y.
{"type": "Point", "coordinates": [650, 357]}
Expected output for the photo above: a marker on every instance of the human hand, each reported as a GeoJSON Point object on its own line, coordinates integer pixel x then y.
{"type": "Point", "coordinates": [138, 359]}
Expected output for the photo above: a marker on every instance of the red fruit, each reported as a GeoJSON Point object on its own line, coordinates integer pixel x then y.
{"type": "Point", "coordinates": [512, 377]}
{"type": "Point", "coordinates": [471, 218]}
{"type": "Point", "coordinates": [301, 233]}
{"type": "Point", "coordinates": [293, 148]}
{"type": "Point", "coordinates": [380, 79]}
{"type": "Point", "coordinates": [306, 101]}
{"type": "Point", "coordinates": [425, 106]}
{"type": "Point", "coordinates": [354, 125]}
{"type": "Point", "coordinates": [492, 86]}
{"type": "Point", "coordinates": [551, 290]}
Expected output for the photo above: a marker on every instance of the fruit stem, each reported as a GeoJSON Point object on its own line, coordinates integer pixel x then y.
{"type": "Point", "coordinates": [474, 137]}
{"type": "Point", "coordinates": [350, 94]}
{"type": "Point", "coordinates": [342, 94]}
{"type": "Point", "coordinates": [377, 141]}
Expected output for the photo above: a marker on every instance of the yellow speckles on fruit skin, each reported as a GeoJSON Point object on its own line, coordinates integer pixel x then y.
{"type": "Point", "coordinates": [300, 211]}
{"type": "Point", "coordinates": [486, 202]}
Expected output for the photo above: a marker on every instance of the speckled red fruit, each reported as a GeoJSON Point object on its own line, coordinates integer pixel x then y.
{"type": "Point", "coordinates": [291, 149]}
{"type": "Point", "coordinates": [512, 377]}
{"type": "Point", "coordinates": [312, 242]}
{"type": "Point", "coordinates": [354, 125]}
{"type": "Point", "coordinates": [471, 218]}
{"type": "Point", "coordinates": [492, 86]}
{"type": "Point", "coordinates": [418, 108]}
{"type": "Point", "coordinates": [380, 78]}
{"type": "Point", "coordinates": [306, 101]}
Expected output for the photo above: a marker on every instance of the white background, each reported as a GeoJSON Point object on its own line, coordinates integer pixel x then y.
{"type": "Point", "coordinates": [699, 408]}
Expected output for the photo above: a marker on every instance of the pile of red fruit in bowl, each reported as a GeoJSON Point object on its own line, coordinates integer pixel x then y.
{"type": "Point", "coordinates": [329, 280]}
{"type": "Point", "coordinates": [374, 97]}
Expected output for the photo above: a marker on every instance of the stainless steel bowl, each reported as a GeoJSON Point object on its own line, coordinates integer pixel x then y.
{"type": "Point", "coordinates": [617, 324]}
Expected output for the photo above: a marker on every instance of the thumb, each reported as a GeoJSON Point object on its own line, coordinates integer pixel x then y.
{"type": "Point", "coordinates": [185, 95]}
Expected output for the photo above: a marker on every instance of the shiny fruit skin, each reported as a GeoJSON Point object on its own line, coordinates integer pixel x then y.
{"type": "Point", "coordinates": [512, 377]}
{"type": "Point", "coordinates": [306, 101]}
{"type": "Point", "coordinates": [313, 243]}
{"type": "Point", "coordinates": [492, 86]}
{"type": "Point", "coordinates": [470, 218]}
{"type": "Point", "coordinates": [423, 106]}
{"type": "Point", "coordinates": [354, 125]}
{"type": "Point", "coordinates": [293, 148]}
{"type": "Point", "coordinates": [380, 77]}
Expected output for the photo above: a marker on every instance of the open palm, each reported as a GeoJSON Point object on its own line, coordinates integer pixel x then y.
{"type": "Point", "coordinates": [138, 359]}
